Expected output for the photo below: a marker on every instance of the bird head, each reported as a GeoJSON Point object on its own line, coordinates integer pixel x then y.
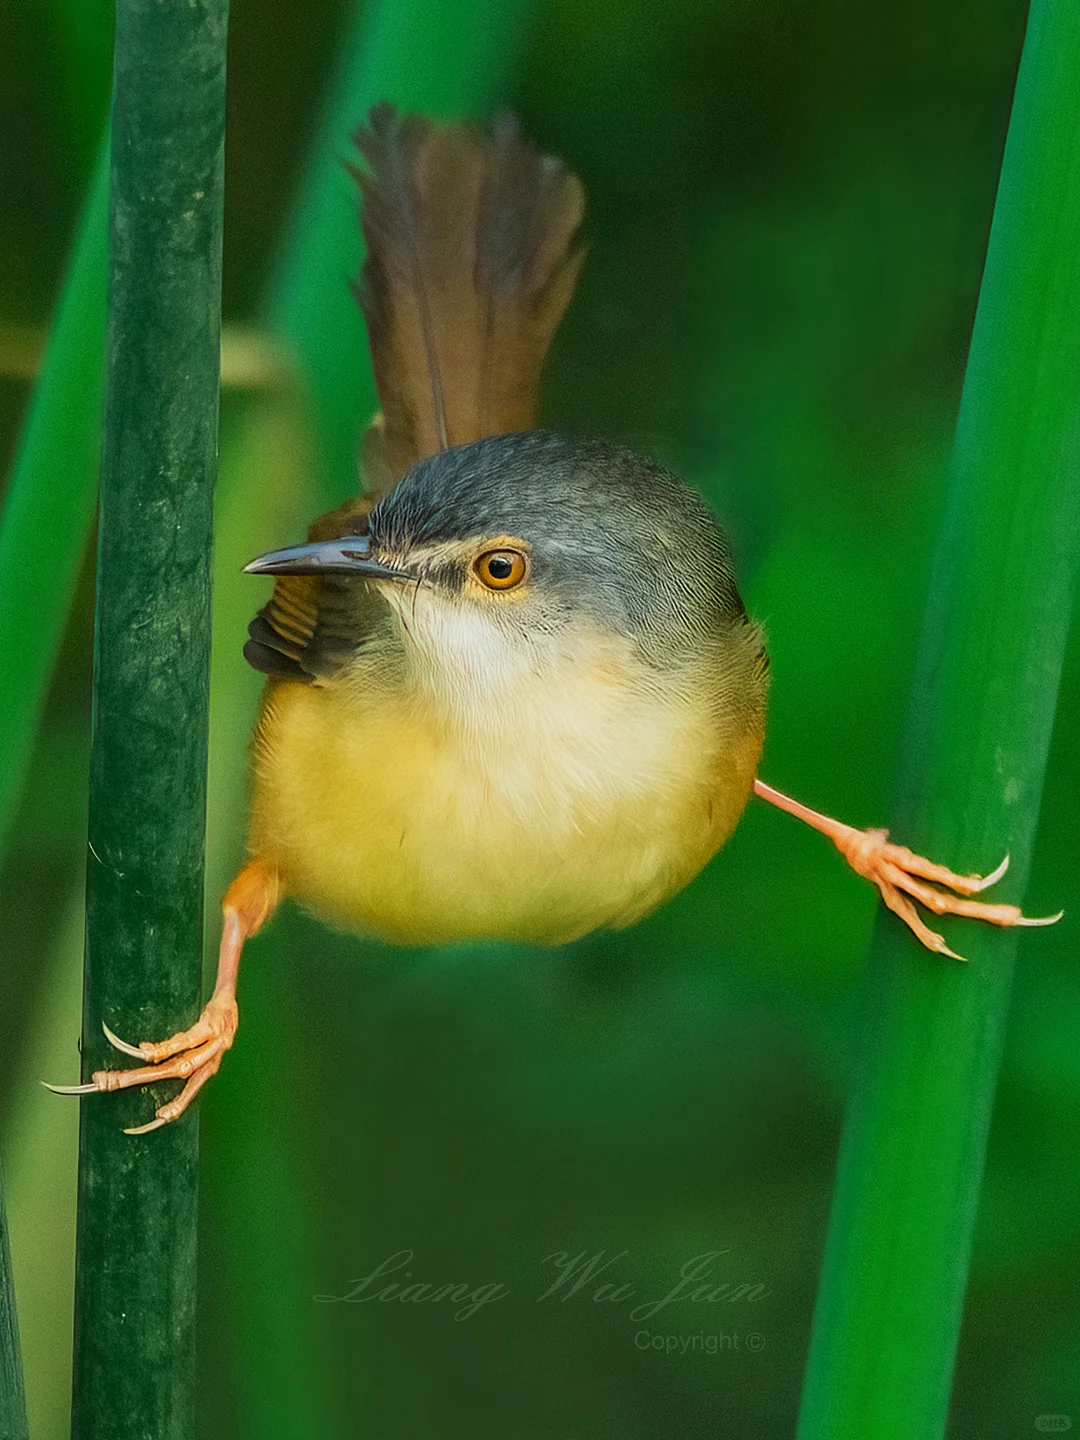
{"type": "Point", "coordinates": [516, 555]}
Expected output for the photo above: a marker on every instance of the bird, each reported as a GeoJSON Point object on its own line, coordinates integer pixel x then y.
{"type": "Point", "coordinates": [512, 690]}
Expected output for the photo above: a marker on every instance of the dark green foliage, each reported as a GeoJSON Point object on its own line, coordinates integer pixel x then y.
{"type": "Point", "coordinates": [12, 1400]}
{"type": "Point", "coordinates": [135, 1284]}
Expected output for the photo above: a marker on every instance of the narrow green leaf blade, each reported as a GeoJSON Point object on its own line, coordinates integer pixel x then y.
{"type": "Point", "coordinates": [50, 499]}
{"type": "Point", "coordinates": [914, 1144]}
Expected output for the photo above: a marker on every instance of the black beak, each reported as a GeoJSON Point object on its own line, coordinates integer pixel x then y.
{"type": "Point", "coordinates": [350, 555]}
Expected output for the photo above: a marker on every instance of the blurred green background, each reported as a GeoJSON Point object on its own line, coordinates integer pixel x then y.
{"type": "Point", "coordinates": [789, 206]}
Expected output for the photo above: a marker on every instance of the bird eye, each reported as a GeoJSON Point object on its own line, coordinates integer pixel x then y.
{"type": "Point", "coordinates": [500, 569]}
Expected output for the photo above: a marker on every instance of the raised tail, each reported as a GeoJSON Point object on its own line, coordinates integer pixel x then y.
{"type": "Point", "coordinates": [470, 266]}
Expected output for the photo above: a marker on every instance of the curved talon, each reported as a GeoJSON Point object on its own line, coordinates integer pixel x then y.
{"type": "Point", "coordinates": [943, 949]}
{"type": "Point", "coordinates": [194, 1054]}
{"type": "Point", "coordinates": [1033, 920]}
{"type": "Point", "coordinates": [900, 875]}
{"type": "Point", "coordinates": [901, 906]}
{"type": "Point", "coordinates": [192, 1063]}
{"type": "Point", "coordinates": [122, 1045]}
{"type": "Point", "coordinates": [897, 872]}
{"type": "Point", "coordinates": [144, 1129]}
{"type": "Point", "coordinates": [995, 875]}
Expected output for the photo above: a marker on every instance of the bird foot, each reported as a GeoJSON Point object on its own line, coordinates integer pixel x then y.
{"type": "Point", "coordinates": [900, 876]}
{"type": "Point", "coordinates": [191, 1055]}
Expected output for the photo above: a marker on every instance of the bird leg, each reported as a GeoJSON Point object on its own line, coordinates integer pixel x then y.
{"type": "Point", "coordinates": [899, 875]}
{"type": "Point", "coordinates": [194, 1055]}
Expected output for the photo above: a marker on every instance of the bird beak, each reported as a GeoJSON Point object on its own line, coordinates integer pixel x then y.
{"type": "Point", "coordinates": [350, 555]}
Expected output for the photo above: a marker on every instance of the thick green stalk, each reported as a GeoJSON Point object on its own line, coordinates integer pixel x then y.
{"type": "Point", "coordinates": [12, 1399]}
{"type": "Point", "coordinates": [914, 1143]}
{"type": "Point", "coordinates": [50, 500]}
{"type": "Point", "coordinates": [135, 1264]}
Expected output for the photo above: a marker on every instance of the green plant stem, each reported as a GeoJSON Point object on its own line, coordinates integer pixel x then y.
{"type": "Point", "coordinates": [49, 506]}
{"type": "Point", "coordinates": [135, 1262]}
{"type": "Point", "coordinates": [914, 1143]}
{"type": "Point", "coordinates": [12, 1398]}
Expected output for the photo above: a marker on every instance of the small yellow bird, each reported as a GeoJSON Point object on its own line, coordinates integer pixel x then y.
{"type": "Point", "coordinates": [513, 692]}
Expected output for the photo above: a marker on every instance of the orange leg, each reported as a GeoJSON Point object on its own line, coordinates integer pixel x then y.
{"type": "Point", "coordinates": [898, 874]}
{"type": "Point", "coordinates": [194, 1055]}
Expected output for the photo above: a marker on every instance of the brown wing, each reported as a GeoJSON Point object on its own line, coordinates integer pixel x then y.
{"type": "Point", "coordinates": [470, 267]}
{"type": "Point", "coordinates": [308, 627]}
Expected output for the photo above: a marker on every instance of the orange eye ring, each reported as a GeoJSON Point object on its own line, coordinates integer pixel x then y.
{"type": "Point", "coordinates": [500, 569]}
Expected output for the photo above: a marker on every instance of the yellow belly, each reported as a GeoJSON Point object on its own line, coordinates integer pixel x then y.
{"type": "Point", "coordinates": [385, 818]}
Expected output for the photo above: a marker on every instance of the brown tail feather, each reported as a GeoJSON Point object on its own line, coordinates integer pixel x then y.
{"type": "Point", "coordinates": [470, 267]}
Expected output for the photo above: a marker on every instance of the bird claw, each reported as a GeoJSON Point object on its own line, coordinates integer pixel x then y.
{"type": "Point", "coordinates": [114, 1040]}
{"type": "Point", "coordinates": [900, 876]}
{"type": "Point", "coordinates": [145, 1129]}
{"type": "Point", "coordinates": [191, 1055]}
{"type": "Point", "coordinates": [984, 882]}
